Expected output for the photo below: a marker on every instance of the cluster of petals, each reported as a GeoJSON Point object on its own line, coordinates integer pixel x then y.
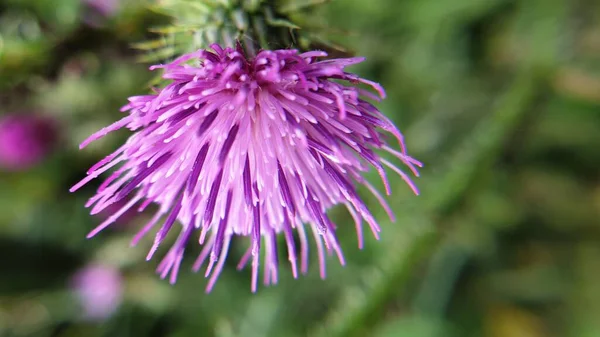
{"type": "Point", "coordinates": [250, 147]}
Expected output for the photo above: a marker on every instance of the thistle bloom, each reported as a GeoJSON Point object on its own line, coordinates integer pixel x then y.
{"type": "Point", "coordinates": [25, 140]}
{"type": "Point", "coordinates": [238, 146]}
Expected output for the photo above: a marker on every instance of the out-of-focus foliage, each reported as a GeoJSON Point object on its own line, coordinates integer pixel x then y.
{"type": "Point", "coordinates": [500, 99]}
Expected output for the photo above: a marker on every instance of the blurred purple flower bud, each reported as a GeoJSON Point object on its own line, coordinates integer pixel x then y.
{"type": "Point", "coordinates": [103, 7]}
{"type": "Point", "coordinates": [99, 290]}
{"type": "Point", "coordinates": [25, 140]}
{"type": "Point", "coordinates": [98, 10]}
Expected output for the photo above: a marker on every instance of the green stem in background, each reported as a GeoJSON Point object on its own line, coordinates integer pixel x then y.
{"type": "Point", "coordinates": [443, 271]}
{"type": "Point", "coordinates": [443, 192]}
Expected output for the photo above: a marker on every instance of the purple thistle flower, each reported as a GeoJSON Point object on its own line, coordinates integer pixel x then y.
{"type": "Point", "coordinates": [25, 140]}
{"type": "Point", "coordinates": [250, 147]}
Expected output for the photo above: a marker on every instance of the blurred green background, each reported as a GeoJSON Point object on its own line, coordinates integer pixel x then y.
{"type": "Point", "coordinates": [500, 99]}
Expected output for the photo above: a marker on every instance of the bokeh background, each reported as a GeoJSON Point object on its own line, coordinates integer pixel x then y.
{"type": "Point", "coordinates": [499, 98]}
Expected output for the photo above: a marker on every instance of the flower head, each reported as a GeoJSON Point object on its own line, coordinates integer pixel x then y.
{"type": "Point", "coordinates": [99, 290]}
{"type": "Point", "coordinates": [25, 140]}
{"type": "Point", "coordinates": [238, 146]}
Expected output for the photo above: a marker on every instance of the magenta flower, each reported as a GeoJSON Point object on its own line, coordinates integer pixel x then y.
{"type": "Point", "coordinates": [25, 140]}
{"type": "Point", "coordinates": [238, 146]}
{"type": "Point", "coordinates": [99, 291]}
